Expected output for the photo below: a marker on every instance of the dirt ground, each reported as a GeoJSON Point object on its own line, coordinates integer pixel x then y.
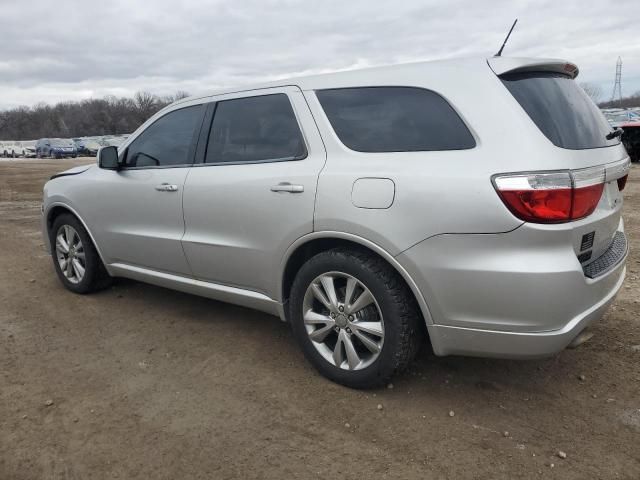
{"type": "Point", "coordinates": [142, 382]}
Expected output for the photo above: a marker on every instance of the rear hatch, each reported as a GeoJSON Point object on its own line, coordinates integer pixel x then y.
{"type": "Point", "coordinates": [582, 192]}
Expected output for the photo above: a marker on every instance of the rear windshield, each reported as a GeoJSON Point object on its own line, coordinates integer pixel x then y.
{"type": "Point", "coordinates": [560, 109]}
{"type": "Point", "coordinates": [394, 119]}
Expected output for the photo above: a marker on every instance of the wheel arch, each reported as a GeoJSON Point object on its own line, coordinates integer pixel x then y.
{"type": "Point", "coordinates": [55, 210]}
{"type": "Point", "coordinates": [309, 245]}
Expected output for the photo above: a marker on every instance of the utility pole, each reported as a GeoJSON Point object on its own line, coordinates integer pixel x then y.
{"type": "Point", "coordinates": [617, 86]}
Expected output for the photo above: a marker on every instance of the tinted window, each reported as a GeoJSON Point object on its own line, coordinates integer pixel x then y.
{"type": "Point", "coordinates": [394, 119]}
{"type": "Point", "coordinates": [255, 129]}
{"type": "Point", "coordinates": [167, 141]}
{"type": "Point", "coordinates": [560, 109]}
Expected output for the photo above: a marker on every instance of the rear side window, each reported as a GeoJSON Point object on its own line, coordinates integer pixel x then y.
{"type": "Point", "coordinates": [255, 129]}
{"type": "Point", "coordinates": [167, 141]}
{"type": "Point", "coordinates": [560, 109]}
{"type": "Point", "coordinates": [394, 119]}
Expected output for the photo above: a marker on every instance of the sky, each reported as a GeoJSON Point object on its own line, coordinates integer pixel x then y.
{"type": "Point", "coordinates": [58, 50]}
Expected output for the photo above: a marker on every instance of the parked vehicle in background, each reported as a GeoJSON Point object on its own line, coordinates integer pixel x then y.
{"type": "Point", "coordinates": [369, 209]}
{"type": "Point", "coordinates": [629, 122]}
{"type": "Point", "coordinates": [115, 141]}
{"type": "Point", "coordinates": [77, 142]}
{"type": "Point", "coordinates": [87, 146]}
{"type": "Point", "coordinates": [12, 149]}
{"type": "Point", "coordinates": [56, 148]}
{"type": "Point", "coordinates": [29, 148]}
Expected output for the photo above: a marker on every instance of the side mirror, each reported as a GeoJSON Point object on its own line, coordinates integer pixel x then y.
{"type": "Point", "coordinates": [108, 158]}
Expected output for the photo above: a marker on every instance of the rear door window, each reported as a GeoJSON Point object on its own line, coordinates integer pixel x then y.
{"type": "Point", "coordinates": [255, 129]}
{"type": "Point", "coordinates": [394, 119]}
{"type": "Point", "coordinates": [560, 109]}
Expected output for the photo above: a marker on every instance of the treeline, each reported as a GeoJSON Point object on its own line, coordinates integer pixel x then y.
{"type": "Point", "coordinates": [596, 93]}
{"type": "Point", "coordinates": [106, 116]}
{"type": "Point", "coordinates": [626, 102]}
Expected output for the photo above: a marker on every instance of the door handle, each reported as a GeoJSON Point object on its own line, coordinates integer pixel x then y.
{"type": "Point", "coordinates": [287, 187]}
{"type": "Point", "coordinates": [166, 187]}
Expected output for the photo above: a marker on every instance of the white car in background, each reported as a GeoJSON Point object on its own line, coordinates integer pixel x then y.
{"type": "Point", "coordinates": [12, 149]}
{"type": "Point", "coordinates": [29, 148]}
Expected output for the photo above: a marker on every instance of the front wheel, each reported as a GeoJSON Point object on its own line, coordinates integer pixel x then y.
{"type": "Point", "coordinates": [75, 258]}
{"type": "Point", "coordinates": [354, 317]}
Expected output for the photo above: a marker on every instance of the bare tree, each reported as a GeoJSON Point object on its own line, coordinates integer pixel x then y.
{"type": "Point", "coordinates": [145, 104]}
{"type": "Point", "coordinates": [180, 94]}
{"type": "Point", "coordinates": [594, 91]}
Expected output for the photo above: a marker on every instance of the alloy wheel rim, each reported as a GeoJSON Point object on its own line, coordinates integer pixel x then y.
{"type": "Point", "coordinates": [343, 321]}
{"type": "Point", "coordinates": [70, 254]}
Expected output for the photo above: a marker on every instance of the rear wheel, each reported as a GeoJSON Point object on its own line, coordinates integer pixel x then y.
{"type": "Point", "coordinates": [75, 258]}
{"type": "Point", "coordinates": [354, 318]}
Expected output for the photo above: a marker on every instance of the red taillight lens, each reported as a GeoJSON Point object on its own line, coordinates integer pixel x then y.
{"type": "Point", "coordinates": [585, 200]}
{"type": "Point", "coordinates": [622, 182]}
{"type": "Point", "coordinates": [538, 205]}
{"type": "Point", "coordinates": [553, 197]}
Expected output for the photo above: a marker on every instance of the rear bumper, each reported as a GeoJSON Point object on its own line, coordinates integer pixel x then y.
{"type": "Point", "coordinates": [521, 294]}
{"type": "Point", "coordinates": [491, 343]}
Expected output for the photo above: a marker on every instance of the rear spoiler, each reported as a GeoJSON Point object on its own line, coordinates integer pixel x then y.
{"type": "Point", "coordinates": [502, 65]}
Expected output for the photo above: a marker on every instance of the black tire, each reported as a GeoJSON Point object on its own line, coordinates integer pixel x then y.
{"type": "Point", "coordinates": [403, 334]}
{"type": "Point", "coordinates": [95, 277]}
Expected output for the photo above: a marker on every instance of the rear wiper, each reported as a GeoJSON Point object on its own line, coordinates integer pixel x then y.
{"type": "Point", "coordinates": [616, 132]}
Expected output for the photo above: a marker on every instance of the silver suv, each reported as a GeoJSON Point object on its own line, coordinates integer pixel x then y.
{"type": "Point", "coordinates": [476, 203]}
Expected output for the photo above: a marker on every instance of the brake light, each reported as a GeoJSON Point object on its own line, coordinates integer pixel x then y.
{"type": "Point", "coordinates": [553, 197]}
{"type": "Point", "coordinates": [585, 200]}
{"type": "Point", "coordinates": [544, 206]}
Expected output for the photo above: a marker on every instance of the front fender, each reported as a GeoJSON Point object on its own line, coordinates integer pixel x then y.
{"type": "Point", "coordinates": [51, 206]}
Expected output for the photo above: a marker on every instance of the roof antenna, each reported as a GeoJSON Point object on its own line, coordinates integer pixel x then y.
{"type": "Point", "coordinates": [506, 39]}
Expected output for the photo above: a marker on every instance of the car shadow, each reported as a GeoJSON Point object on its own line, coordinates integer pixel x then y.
{"type": "Point", "coordinates": [482, 374]}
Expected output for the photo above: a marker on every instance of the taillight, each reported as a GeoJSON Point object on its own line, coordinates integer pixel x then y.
{"type": "Point", "coordinates": [552, 197]}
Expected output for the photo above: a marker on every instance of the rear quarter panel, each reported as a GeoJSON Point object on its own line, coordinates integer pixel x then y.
{"type": "Point", "coordinates": [442, 191]}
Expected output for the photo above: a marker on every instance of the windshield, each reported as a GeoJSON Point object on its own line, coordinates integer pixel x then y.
{"type": "Point", "coordinates": [560, 109]}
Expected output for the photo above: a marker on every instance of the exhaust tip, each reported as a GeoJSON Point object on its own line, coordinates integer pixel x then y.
{"type": "Point", "coordinates": [580, 339]}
